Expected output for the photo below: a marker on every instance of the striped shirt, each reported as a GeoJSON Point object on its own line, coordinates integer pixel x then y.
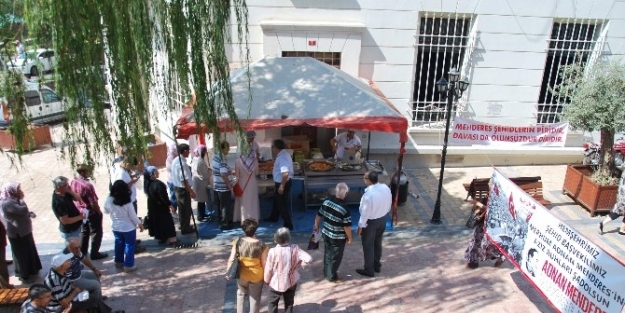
{"type": "Point", "coordinates": [220, 166]}
{"type": "Point", "coordinates": [281, 266]}
{"type": "Point", "coordinates": [60, 287]}
{"type": "Point", "coordinates": [336, 218]}
{"type": "Point", "coordinates": [29, 307]}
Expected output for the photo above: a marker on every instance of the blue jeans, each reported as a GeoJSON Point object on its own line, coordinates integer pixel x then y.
{"type": "Point", "coordinates": [125, 247]}
{"type": "Point", "coordinates": [75, 234]}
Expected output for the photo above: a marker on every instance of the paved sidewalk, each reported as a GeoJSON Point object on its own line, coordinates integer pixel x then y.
{"type": "Point", "coordinates": [422, 268]}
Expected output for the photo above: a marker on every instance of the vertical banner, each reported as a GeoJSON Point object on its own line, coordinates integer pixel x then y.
{"type": "Point", "coordinates": [476, 133]}
{"type": "Point", "coordinates": [573, 273]}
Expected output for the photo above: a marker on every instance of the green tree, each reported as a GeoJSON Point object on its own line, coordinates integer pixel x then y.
{"type": "Point", "coordinates": [189, 36]}
{"type": "Point", "coordinates": [597, 98]}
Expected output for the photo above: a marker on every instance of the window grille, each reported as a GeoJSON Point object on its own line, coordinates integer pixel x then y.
{"type": "Point", "coordinates": [441, 46]}
{"type": "Point", "coordinates": [330, 58]}
{"type": "Point", "coordinates": [571, 42]}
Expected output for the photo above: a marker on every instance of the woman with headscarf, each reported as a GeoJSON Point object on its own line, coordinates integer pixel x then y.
{"type": "Point", "coordinates": [124, 223]}
{"type": "Point", "coordinates": [201, 181]}
{"type": "Point", "coordinates": [172, 153]}
{"type": "Point", "coordinates": [246, 169]}
{"type": "Point", "coordinates": [19, 227]}
{"type": "Point", "coordinates": [161, 225]}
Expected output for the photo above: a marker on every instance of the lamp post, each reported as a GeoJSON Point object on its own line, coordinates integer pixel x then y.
{"type": "Point", "coordinates": [451, 91]}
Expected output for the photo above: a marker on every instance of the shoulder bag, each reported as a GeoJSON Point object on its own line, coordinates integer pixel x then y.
{"type": "Point", "coordinates": [238, 191]}
{"type": "Point", "coordinates": [233, 271]}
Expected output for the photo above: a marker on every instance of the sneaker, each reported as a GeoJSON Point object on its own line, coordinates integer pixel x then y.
{"type": "Point", "coordinates": [119, 265]}
{"type": "Point", "coordinates": [601, 228]}
{"type": "Point", "coordinates": [130, 269]}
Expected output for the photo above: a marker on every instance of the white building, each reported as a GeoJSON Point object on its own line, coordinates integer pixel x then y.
{"type": "Point", "coordinates": [509, 50]}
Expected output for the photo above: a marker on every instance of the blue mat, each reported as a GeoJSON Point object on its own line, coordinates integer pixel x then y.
{"type": "Point", "coordinates": [303, 220]}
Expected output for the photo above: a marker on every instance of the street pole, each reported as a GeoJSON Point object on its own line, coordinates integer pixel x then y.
{"type": "Point", "coordinates": [436, 216]}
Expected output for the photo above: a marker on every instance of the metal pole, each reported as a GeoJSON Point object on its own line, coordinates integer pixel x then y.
{"type": "Point", "coordinates": [436, 216]}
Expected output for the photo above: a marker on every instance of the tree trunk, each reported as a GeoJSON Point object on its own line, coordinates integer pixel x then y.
{"type": "Point", "coordinates": [607, 151]}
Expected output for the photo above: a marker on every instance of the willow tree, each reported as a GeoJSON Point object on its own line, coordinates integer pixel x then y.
{"type": "Point", "coordinates": [131, 42]}
{"type": "Point", "coordinates": [597, 98]}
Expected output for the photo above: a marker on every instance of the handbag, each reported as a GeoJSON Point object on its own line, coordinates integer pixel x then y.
{"type": "Point", "coordinates": [472, 221]}
{"type": "Point", "coordinates": [313, 243]}
{"type": "Point", "coordinates": [233, 271]}
{"type": "Point", "coordinates": [238, 191]}
{"type": "Point", "coordinates": [146, 222]}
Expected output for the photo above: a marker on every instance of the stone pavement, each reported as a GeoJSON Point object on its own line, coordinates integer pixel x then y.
{"type": "Point", "coordinates": [422, 268]}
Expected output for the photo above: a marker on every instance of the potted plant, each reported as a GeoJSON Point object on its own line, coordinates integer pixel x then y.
{"type": "Point", "coordinates": [596, 98]}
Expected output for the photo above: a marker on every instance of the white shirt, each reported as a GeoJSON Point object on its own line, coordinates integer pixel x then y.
{"type": "Point", "coordinates": [176, 172]}
{"type": "Point", "coordinates": [342, 143]}
{"type": "Point", "coordinates": [375, 203]}
{"type": "Point", "coordinates": [123, 218]}
{"type": "Point", "coordinates": [283, 164]}
{"type": "Point", "coordinates": [122, 174]}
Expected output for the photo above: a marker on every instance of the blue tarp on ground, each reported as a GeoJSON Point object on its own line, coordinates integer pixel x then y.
{"type": "Point", "coordinates": [303, 220]}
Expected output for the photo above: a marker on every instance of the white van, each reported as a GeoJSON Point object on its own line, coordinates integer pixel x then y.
{"type": "Point", "coordinates": [43, 106]}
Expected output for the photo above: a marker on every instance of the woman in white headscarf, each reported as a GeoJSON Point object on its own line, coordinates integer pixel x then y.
{"type": "Point", "coordinates": [246, 169]}
{"type": "Point", "coordinates": [202, 176]}
{"type": "Point", "coordinates": [16, 216]}
{"type": "Point", "coordinates": [172, 153]}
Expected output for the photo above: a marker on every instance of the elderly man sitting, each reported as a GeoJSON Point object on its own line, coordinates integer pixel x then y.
{"type": "Point", "coordinates": [86, 279]}
{"type": "Point", "coordinates": [64, 292]}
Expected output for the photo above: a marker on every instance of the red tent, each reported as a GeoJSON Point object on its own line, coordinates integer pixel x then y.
{"type": "Point", "coordinates": [298, 91]}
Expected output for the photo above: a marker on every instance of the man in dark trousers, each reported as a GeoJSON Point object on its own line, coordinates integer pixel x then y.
{"type": "Point", "coordinates": [374, 207]}
{"type": "Point", "coordinates": [282, 173]}
{"type": "Point", "coordinates": [182, 180]}
{"type": "Point", "coordinates": [89, 204]}
{"type": "Point", "coordinates": [337, 231]}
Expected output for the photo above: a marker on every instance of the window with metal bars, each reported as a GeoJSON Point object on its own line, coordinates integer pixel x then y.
{"type": "Point", "coordinates": [330, 58]}
{"type": "Point", "coordinates": [570, 43]}
{"type": "Point", "coordinates": [441, 46]}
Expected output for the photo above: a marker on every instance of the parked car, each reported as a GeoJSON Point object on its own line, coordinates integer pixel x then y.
{"type": "Point", "coordinates": [43, 105]}
{"type": "Point", "coordinates": [33, 62]}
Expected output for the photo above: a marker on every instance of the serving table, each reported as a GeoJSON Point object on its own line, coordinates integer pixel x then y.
{"type": "Point", "coordinates": [317, 185]}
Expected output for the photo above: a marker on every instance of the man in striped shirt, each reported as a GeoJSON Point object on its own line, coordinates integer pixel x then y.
{"type": "Point", "coordinates": [337, 231]}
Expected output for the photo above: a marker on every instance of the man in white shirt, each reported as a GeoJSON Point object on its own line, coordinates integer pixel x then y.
{"type": "Point", "coordinates": [282, 173]}
{"type": "Point", "coordinates": [347, 141]}
{"type": "Point", "coordinates": [182, 181]}
{"type": "Point", "coordinates": [374, 207]}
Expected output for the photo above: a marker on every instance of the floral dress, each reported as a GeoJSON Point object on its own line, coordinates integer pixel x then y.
{"type": "Point", "coordinates": [480, 249]}
{"type": "Point", "coordinates": [619, 206]}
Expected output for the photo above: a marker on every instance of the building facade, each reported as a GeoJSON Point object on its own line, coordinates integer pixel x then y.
{"type": "Point", "coordinates": [510, 51]}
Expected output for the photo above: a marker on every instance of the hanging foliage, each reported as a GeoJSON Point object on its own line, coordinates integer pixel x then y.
{"type": "Point", "coordinates": [138, 46]}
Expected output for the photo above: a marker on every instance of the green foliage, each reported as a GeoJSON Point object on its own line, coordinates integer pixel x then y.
{"type": "Point", "coordinates": [189, 36]}
{"type": "Point", "coordinates": [597, 98]}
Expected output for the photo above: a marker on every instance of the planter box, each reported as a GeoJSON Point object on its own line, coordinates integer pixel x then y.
{"type": "Point", "coordinates": [40, 135]}
{"type": "Point", "coordinates": [579, 186]}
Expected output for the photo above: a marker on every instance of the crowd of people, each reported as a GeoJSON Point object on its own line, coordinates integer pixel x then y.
{"type": "Point", "coordinates": [76, 206]}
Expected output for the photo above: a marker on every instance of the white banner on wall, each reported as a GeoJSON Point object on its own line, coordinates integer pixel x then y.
{"type": "Point", "coordinates": [476, 133]}
{"type": "Point", "coordinates": [573, 273]}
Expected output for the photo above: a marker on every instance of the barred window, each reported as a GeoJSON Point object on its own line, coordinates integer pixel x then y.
{"type": "Point", "coordinates": [441, 46]}
{"type": "Point", "coordinates": [571, 42]}
{"type": "Point", "coordinates": [330, 58]}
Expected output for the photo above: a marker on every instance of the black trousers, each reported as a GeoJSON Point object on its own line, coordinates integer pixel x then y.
{"type": "Point", "coordinates": [226, 207]}
{"type": "Point", "coordinates": [281, 205]}
{"type": "Point", "coordinates": [289, 299]}
{"type": "Point", "coordinates": [372, 243]}
{"type": "Point", "coordinates": [184, 208]}
{"type": "Point", "coordinates": [332, 256]}
{"type": "Point", "coordinates": [92, 229]}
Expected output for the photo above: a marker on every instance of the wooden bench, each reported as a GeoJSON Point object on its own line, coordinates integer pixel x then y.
{"type": "Point", "coordinates": [13, 296]}
{"type": "Point", "coordinates": [534, 189]}
{"type": "Point", "coordinates": [478, 188]}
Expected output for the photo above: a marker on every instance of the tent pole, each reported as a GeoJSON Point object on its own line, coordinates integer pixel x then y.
{"type": "Point", "coordinates": [368, 144]}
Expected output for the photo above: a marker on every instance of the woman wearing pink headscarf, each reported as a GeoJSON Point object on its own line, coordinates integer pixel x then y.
{"type": "Point", "coordinates": [246, 169]}
{"type": "Point", "coordinates": [202, 179]}
{"type": "Point", "coordinates": [17, 218]}
{"type": "Point", "coordinates": [172, 153]}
